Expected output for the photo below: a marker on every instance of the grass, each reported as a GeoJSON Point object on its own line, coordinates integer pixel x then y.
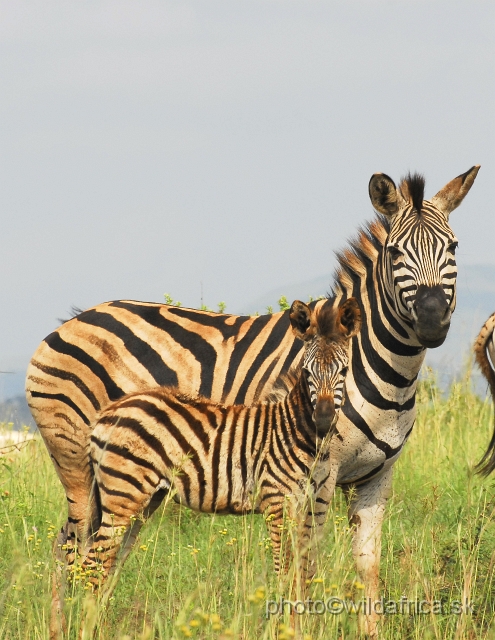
{"type": "Point", "coordinates": [201, 576]}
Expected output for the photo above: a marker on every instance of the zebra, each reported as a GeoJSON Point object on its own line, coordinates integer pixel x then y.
{"type": "Point", "coordinates": [401, 268]}
{"type": "Point", "coordinates": [484, 352]}
{"type": "Point", "coordinates": [269, 458]}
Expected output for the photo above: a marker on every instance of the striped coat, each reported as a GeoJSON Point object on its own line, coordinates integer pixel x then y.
{"type": "Point", "coordinates": [402, 271]}
{"type": "Point", "coordinates": [268, 458]}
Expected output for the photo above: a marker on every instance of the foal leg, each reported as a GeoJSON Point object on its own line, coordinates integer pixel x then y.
{"type": "Point", "coordinates": [274, 517]}
{"type": "Point", "coordinates": [318, 497]}
{"type": "Point", "coordinates": [118, 531]}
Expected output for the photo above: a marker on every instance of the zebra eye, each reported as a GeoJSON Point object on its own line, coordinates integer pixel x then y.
{"type": "Point", "coordinates": [344, 371]}
{"type": "Point", "coordinates": [394, 251]}
{"type": "Point", "coordinates": [453, 246]}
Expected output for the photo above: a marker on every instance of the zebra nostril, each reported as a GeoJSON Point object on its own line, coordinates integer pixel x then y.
{"type": "Point", "coordinates": [413, 312]}
{"type": "Point", "coordinates": [447, 317]}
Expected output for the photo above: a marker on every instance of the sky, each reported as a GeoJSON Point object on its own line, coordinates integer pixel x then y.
{"type": "Point", "coordinates": [222, 147]}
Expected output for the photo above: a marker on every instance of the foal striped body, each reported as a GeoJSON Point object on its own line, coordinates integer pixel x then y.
{"type": "Point", "coordinates": [226, 459]}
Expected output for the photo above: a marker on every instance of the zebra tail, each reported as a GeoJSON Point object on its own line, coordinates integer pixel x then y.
{"type": "Point", "coordinates": [487, 463]}
{"type": "Point", "coordinates": [94, 515]}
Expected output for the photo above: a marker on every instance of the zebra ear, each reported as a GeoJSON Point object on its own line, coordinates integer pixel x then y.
{"type": "Point", "coordinates": [301, 318]}
{"type": "Point", "coordinates": [349, 318]}
{"type": "Point", "coordinates": [451, 196]}
{"type": "Point", "coordinates": [383, 194]}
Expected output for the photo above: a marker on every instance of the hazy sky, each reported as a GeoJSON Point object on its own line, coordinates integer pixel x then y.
{"type": "Point", "coordinates": [148, 146]}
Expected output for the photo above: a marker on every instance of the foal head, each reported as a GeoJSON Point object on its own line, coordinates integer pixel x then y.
{"type": "Point", "coordinates": [326, 335]}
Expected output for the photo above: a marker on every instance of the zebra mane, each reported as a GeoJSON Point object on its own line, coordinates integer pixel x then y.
{"type": "Point", "coordinates": [326, 320]}
{"type": "Point", "coordinates": [74, 311]}
{"type": "Point", "coordinates": [412, 187]}
{"type": "Point", "coordinates": [363, 248]}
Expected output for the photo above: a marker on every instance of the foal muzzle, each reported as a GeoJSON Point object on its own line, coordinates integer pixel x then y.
{"type": "Point", "coordinates": [324, 415]}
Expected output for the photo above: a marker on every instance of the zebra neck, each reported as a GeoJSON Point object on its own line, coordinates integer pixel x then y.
{"type": "Point", "coordinates": [299, 413]}
{"type": "Point", "coordinates": [386, 357]}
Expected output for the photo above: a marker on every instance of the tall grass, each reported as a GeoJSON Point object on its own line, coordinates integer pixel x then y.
{"type": "Point", "coordinates": [204, 576]}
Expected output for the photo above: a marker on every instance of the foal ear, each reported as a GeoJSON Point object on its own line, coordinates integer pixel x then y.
{"type": "Point", "coordinates": [349, 318]}
{"type": "Point", "coordinates": [451, 196]}
{"type": "Point", "coordinates": [301, 318]}
{"type": "Point", "coordinates": [384, 196]}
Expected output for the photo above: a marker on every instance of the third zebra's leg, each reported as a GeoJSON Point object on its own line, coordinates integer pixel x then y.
{"type": "Point", "coordinates": [366, 510]}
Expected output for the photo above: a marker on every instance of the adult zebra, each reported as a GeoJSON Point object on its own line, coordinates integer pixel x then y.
{"type": "Point", "coordinates": [402, 271]}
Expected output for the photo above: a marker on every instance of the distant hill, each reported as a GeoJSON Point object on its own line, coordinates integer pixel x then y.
{"type": "Point", "coordinates": [475, 289]}
{"type": "Point", "coordinates": [16, 410]}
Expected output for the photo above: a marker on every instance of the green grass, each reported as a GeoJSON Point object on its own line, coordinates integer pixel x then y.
{"type": "Point", "coordinates": [215, 572]}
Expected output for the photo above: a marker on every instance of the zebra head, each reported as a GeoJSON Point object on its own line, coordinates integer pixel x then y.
{"type": "Point", "coordinates": [326, 335]}
{"type": "Point", "coordinates": [418, 261]}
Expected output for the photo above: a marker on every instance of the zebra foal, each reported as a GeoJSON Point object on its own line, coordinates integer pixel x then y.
{"type": "Point", "coordinates": [225, 459]}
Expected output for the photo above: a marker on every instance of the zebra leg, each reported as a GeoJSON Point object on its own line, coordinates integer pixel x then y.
{"type": "Point", "coordinates": [290, 522]}
{"type": "Point", "coordinates": [111, 544]}
{"type": "Point", "coordinates": [66, 548]}
{"type": "Point", "coordinates": [71, 537]}
{"type": "Point", "coordinates": [366, 510]}
{"type": "Point", "coordinates": [58, 623]}
{"type": "Point", "coordinates": [274, 517]}
{"type": "Point", "coordinates": [316, 511]}
{"type": "Point", "coordinates": [68, 545]}
{"type": "Point", "coordinates": [273, 505]}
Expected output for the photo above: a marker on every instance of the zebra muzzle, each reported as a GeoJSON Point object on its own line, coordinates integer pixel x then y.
{"type": "Point", "coordinates": [431, 315]}
{"type": "Point", "coordinates": [324, 415]}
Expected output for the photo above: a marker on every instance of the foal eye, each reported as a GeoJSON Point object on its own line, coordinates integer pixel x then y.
{"type": "Point", "coordinates": [453, 246]}
{"type": "Point", "coordinates": [344, 371]}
